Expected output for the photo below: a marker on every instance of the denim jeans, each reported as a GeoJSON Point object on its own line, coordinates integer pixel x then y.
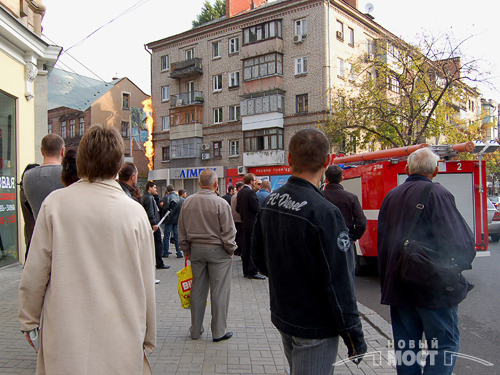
{"type": "Point", "coordinates": [168, 228]}
{"type": "Point", "coordinates": [310, 356]}
{"type": "Point", "coordinates": [441, 333]}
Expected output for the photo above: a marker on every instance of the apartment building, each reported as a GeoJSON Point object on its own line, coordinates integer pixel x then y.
{"type": "Point", "coordinates": [230, 94]}
{"type": "Point", "coordinates": [490, 110]}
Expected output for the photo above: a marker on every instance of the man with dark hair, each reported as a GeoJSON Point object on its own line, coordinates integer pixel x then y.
{"type": "Point", "coordinates": [44, 179]}
{"type": "Point", "coordinates": [347, 203]}
{"type": "Point", "coordinates": [237, 218]}
{"type": "Point", "coordinates": [170, 203]}
{"type": "Point", "coordinates": [229, 195]}
{"type": "Point", "coordinates": [182, 195]}
{"type": "Point", "coordinates": [300, 242]}
{"type": "Point", "coordinates": [264, 191]}
{"type": "Point", "coordinates": [127, 178]}
{"type": "Point", "coordinates": [416, 310]}
{"type": "Point", "coordinates": [151, 208]}
{"type": "Point", "coordinates": [247, 205]}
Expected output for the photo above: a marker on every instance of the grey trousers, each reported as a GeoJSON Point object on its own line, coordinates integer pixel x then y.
{"type": "Point", "coordinates": [211, 268]}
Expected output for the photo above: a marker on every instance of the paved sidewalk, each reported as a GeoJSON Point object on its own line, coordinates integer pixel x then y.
{"type": "Point", "coordinates": [254, 349]}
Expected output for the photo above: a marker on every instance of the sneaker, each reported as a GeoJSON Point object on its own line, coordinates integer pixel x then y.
{"type": "Point", "coordinates": [157, 281]}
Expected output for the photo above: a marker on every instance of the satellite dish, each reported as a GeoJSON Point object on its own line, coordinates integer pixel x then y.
{"type": "Point", "coordinates": [369, 8]}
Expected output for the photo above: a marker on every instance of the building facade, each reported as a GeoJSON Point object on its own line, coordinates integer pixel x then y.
{"type": "Point", "coordinates": [24, 60]}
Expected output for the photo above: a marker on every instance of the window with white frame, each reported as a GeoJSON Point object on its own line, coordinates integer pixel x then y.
{"type": "Point", "coordinates": [340, 30]}
{"type": "Point", "coordinates": [234, 113]}
{"type": "Point", "coordinates": [234, 79]}
{"type": "Point", "coordinates": [49, 128]}
{"type": "Point", "coordinates": [393, 84]}
{"type": "Point", "coordinates": [302, 103]}
{"type": "Point", "coordinates": [301, 27]}
{"type": "Point", "coordinates": [263, 139]}
{"type": "Point", "coordinates": [350, 70]}
{"type": "Point", "coordinates": [165, 93]}
{"type": "Point", "coordinates": [165, 62]}
{"type": "Point", "coordinates": [217, 149]}
{"type": "Point", "coordinates": [234, 45]}
{"type": "Point", "coordinates": [81, 126]}
{"type": "Point", "coordinates": [216, 50]}
{"type": "Point", "coordinates": [63, 129]}
{"type": "Point", "coordinates": [350, 36]}
{"type": "Point", "coordinates": [217, 82]}
{"type": "Point", "coordinates": [370, 46]}
{"type": "Point", "coordinates": [189, 54]}
{"type": "Point", "coordinates": [72, 125]}
{"type": "Point", "coordinates": [185, 148]}
{"type": "Point", "coordinates": [234, 148]}
{"type": "Point", "coordinates": [340, 68]}
{"type": "Point", "coordinates": [165, 122]}
{"type": "Point", "coordinates": [268, 30]}
{"type": "Point", "coordinates": [125, 129]}
{"type": "Point", "coordinates": [217, 115]}
{"type": "Point", "coordinates": [262, 66]}
{"type": "Point", "coordinates": [301, 65]}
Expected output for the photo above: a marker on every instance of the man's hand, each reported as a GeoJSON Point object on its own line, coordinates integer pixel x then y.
{"type": "Point", "coordinates": [155, 228]}
{"type": "Point", "coordinates": [355, 342]}
{"type": "Point", "coordinates": [28, 338]}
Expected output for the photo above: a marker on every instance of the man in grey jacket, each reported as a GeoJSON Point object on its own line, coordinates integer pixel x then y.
{"type": "Point", "coordinates": [207, 238]}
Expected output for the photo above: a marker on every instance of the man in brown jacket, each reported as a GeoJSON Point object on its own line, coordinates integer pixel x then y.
{"type": "Point", "coordinates": [207, 238]}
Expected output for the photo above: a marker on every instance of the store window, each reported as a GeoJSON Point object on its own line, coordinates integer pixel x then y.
{"type": "Point", "coordinates": [8, 167]}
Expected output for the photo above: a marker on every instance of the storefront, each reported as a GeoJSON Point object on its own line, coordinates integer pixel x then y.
{"type": "Point", "coordinates": [278, 176]}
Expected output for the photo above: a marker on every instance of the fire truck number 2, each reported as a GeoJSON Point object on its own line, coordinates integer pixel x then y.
{"type": "Point", "coordinates": [459, 166]}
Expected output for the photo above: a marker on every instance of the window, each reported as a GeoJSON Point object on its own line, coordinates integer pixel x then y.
{"type": "Point", "coordinates": [350, 69]}
{"type": "Point", "coordinates": [125, 101]}
{"type": "Point", "coordinates": [340, 31]}
{"type": "Point", "coordinates": [302, 103]}
{"type": "Point", "coordinates": [234, 79]}
{"type": "Point", "coordinates": [262, 66]}
{"type": "Point", "coordinates": [165, 121]}
{"type": "Point", "coordinates": [263, 31]}
{"type": "Point", "coordinates": [263, 139]}
{"type": "Point", "coordinates": [301, 65]}
{"type": "Point", "coordinates": [216, 50]}
{"type": "Point", "coordinates": [218, 82]}
{"type": "Point", "coordinates": [125, 129]}
{"type": "Point", "coordinates": [165, 153]}
{"type": "Point", "coordinates": [165, 62]}
{"type": "Point", "coordinates": [165, 93]}
{"type": "Point", "coordinates": [49, 128]}
{"type": "Point", "coordinates": [217, 115]}
{"type": "Point", "coordinates": [301, 27]}
{"type": "Point", "coordinates": [393, 84]}
{"type": "Point", "coordinates": [350, 36]}
{"type": "Point", "coordinates": [340, 68]}
{"type": "Point", "coordinates": [72, 123]}
{"type": "Point", "coordinates": [234, 45]}
{"type": "Point", "coordinates": [81, 127]}
{"type": "Point", "coordinates": [185, 148]}
{"type": "Point", "coordinates": [234, 113]}
{"type": "Point", "coordinates": [217, 146]}
{"type": "Point", "coordinates": [189, 53]}
{"type": "Point", "coordinates": [370, 47]}
{"type": "Point", "coordinates": [234, 148]}
{"type": "Point", "coordinates": [63, 129]}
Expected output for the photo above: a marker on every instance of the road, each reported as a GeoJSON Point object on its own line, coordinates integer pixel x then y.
{"type": "Point", "coordinates": [478, 314]}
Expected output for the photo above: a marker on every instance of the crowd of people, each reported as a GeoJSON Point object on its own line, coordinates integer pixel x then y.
{"type": "Point", "coordinates": [87, 287]}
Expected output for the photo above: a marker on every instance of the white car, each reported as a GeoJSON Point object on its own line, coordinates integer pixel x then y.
{"type": "Point", "coordinates": [493, 221]}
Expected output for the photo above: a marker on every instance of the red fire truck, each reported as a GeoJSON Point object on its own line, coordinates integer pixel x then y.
{"type": "Point", "coordinates": [372, 175]}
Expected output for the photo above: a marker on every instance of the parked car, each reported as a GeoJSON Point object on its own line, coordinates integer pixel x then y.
{"type": "Point", "coordinates": [493, 221]}
{"type": "Point", "coordinates": [495, 201]}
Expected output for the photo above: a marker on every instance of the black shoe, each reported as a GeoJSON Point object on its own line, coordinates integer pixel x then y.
{"type": "Point", "coordinates": [227, 336]}
{"type": "Point", "coordinates": [164, 267]}
{"type": "Point", "coordinates": [180, 256]}
{"type": "Point", "coordinates": [256, 277]}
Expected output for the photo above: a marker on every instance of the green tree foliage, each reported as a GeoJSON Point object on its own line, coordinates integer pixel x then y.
{"type": "Point", "coordinates": [402, 94]}
{"type": "Point", "coordinates": [210, 12]}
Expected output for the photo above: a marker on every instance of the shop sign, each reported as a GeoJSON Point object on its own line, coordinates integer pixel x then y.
{"type": "Point", "coordinates": [284, 169]}
{"type": "Point", "coordinates": [182, 173]}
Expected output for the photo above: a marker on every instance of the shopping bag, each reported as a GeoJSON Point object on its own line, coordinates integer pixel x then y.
{"type": "Point", "coordinates": [185, 280]}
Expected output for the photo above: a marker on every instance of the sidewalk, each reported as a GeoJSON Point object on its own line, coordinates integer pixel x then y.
{"type": "Point", "coordinates": [254, 349]}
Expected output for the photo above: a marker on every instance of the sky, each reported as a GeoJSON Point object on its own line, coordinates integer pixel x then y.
{"type": "Point", "coordinates": [117, 48]}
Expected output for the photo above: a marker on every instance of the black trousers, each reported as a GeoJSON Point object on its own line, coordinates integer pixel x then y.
{"type": "Point", "coordinates": [239, 231]}
{"type": "Point", "coordinates": [158, 248]}
{"type": "Point", "coordinates": [249, 268]}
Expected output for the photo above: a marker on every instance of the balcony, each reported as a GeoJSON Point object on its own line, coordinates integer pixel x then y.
{"type": "Point", "coordinates": [264, 157]}
{"type": "Point", "coordinates": [262, 48]}
{"type": "Point", "coordinates": [187, 98]}
{"type": "Point", "coordinates": [186, 122]}
{"type": "Point", "coordinates": [186, 68]}
{"type": "Point", "coordinates": [266, 103]}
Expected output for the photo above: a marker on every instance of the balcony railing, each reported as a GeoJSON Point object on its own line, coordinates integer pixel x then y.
{"type": "Point", "coordinates": [186, 68]}
{"type": "Point", "coordinates": [187, 98]}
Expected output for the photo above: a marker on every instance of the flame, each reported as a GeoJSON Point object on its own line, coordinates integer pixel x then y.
{"type": "Point", "coordinates": [148, 145]}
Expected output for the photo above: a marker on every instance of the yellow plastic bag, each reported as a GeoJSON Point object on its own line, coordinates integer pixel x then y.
{"type": "Point", "coordinates": [185, 280]}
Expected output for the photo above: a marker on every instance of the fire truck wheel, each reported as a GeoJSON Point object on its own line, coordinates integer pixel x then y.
{"type": "Point", "coordinates": [494, 238]}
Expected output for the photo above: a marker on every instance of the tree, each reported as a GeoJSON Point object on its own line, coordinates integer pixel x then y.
{"type": "Point", "coordinates": [403, 95]}
{"type": "Point", "coordinates": [209, 12]}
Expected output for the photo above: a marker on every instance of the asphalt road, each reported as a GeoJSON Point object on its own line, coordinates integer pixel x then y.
{"type": "Point", "coordinates": [479, 314]}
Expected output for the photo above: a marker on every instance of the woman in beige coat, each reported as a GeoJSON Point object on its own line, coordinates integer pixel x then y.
{"type": "Point", "coordinates": [88, 282]}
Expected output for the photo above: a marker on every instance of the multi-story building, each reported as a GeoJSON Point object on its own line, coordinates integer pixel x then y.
{"type": "Point", "coordinates": [75, 103]}
{"type": "Point", "coordinates": [490, 119]}
{"type": "Point", "coordinates": [24, 60]}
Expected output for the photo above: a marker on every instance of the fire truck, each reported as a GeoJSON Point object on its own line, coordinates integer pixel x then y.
{"type": "Point", "coordinates": [372, 175]}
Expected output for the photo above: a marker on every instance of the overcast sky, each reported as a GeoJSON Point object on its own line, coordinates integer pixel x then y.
{"type": "Point", "coordinates": [117, 49]}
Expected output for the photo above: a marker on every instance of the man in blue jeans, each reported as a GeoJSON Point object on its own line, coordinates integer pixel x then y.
{"type": "Point", "coordinates": [171, 203]}
{"type": "Point", "coordinates": [415, 310]}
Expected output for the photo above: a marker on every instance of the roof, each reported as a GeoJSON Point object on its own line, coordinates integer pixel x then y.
{"type": "Point", "coordinates": [71, 90]}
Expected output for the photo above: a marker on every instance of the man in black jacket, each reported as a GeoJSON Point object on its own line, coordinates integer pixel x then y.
{"type": "Point", "coordinates": [301, 243]}
{"type": "Point", "coordinates": [171, 203]}
{"type": "Point", "coordinates": [415, 310]}
{"type": "Point", "coordinates": [151, 208]}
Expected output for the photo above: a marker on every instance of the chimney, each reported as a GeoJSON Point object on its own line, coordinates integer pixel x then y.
{"type": "Point", "coordinates": [353, 3]}
{"type": "Point", "coordinates": [235, 7]}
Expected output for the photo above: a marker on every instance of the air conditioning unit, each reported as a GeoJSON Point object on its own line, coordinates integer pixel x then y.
{"type": "Point", "coordinates": [371, 57]}
{"type": "Point", "coordinates": [205, 147]}
{"type": "Point", "coordinates": [205, 156]}
{"type": "Point", "coordinates": [340, 35]}
{"type": "Point", "coordinates": [242, 170]}
{"type": "Point", "coordinates": [297, 38]}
